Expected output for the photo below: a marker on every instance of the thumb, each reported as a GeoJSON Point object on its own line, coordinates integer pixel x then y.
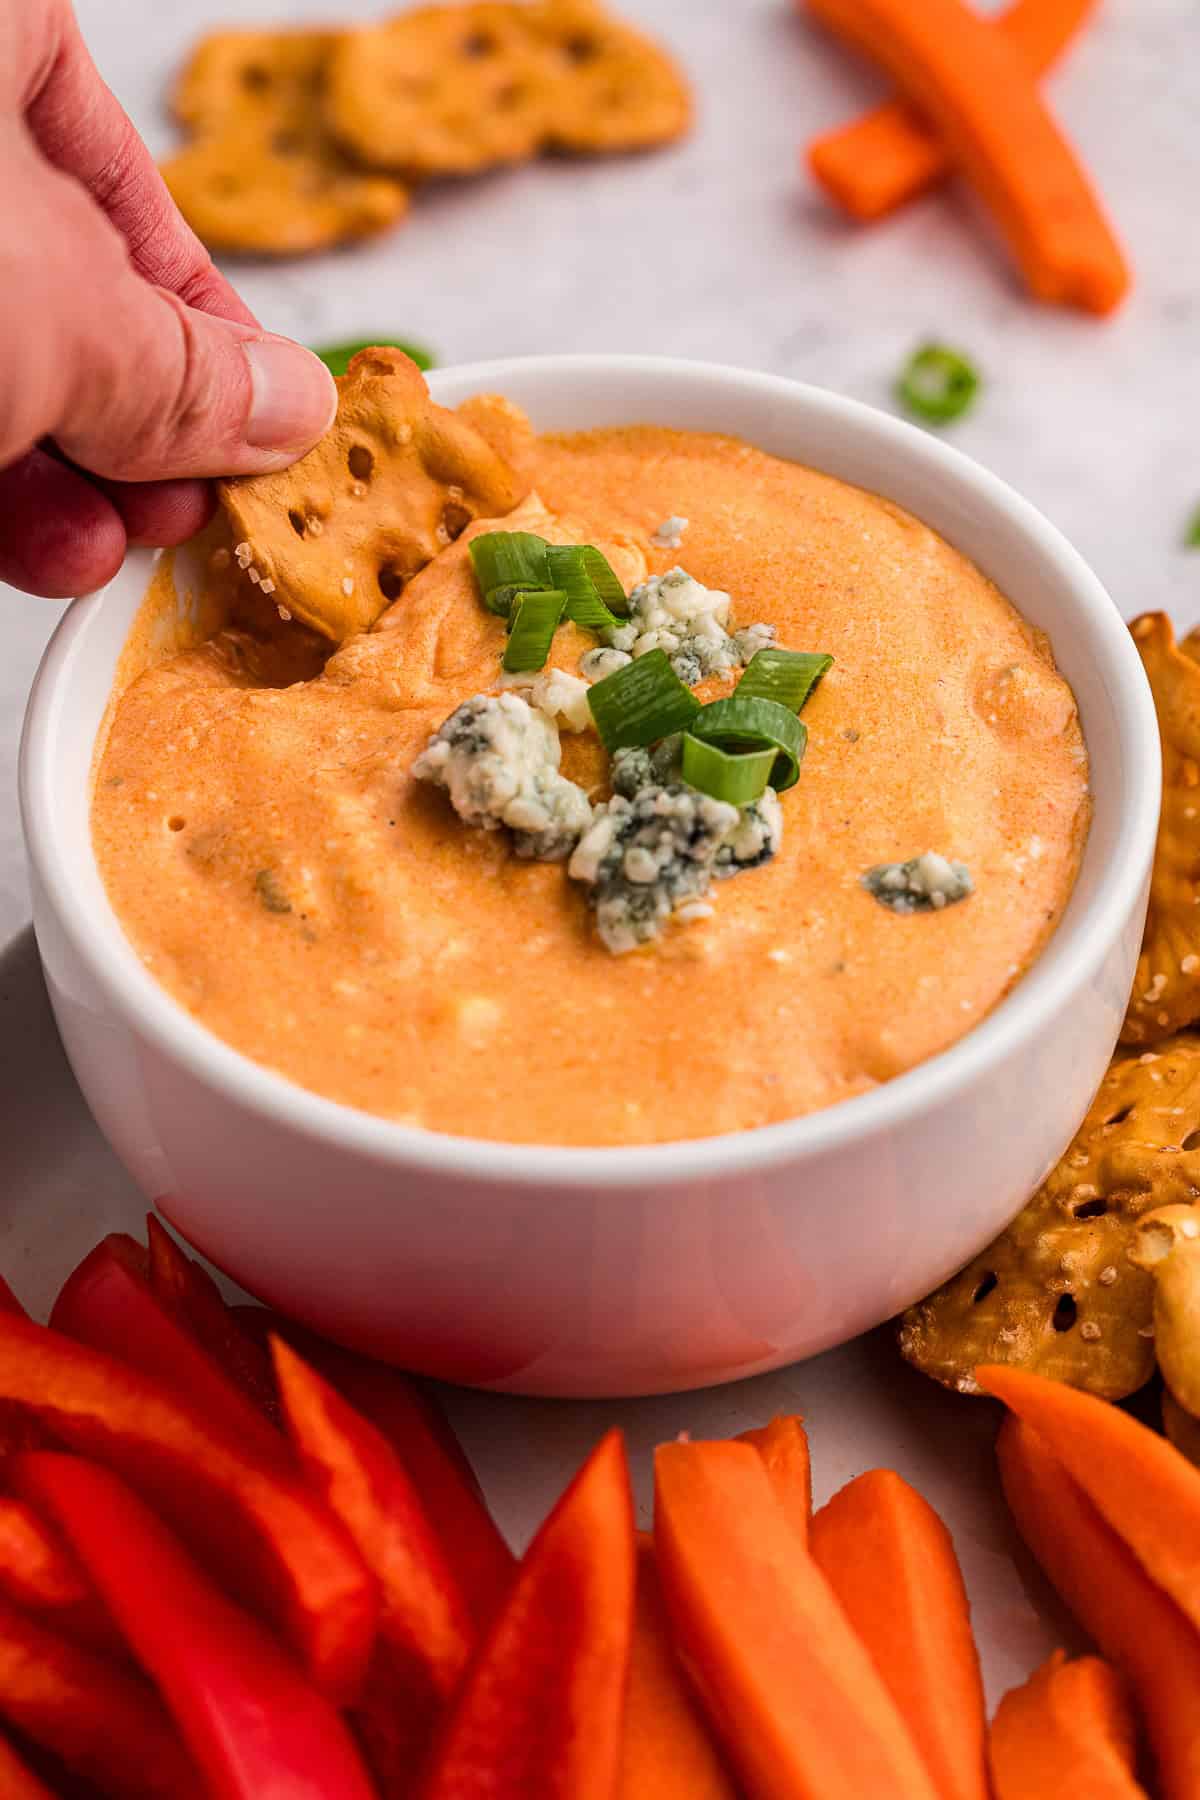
{"type": "Point", "coordinates": [142, 387]}
{"type": "Point", "coordinates": [183, 393]}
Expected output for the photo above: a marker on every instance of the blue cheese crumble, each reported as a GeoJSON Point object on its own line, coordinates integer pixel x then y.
{"type": "Point", "coordinates": [676, 613]}
{"type": "Point", "coordinates": [653, 851]}
{"type": "Point", "coordinates": [497, 758]}
{"type": "Point", "coordinates": [669, 535]}
{"type": "Point", "coordinates": [594, 665]}
{"type": "Point", "coordinates": [925, 883]}
{"type": "Point", "coordinates": [553, 691]}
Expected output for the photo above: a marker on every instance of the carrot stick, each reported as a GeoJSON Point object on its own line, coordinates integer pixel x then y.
{"type": "Point", "coordinates": [1070, 1727]}
{"type": "Point", "coordinates": [784, 1679]}
{"type": "Point", "coordinates": [981, 98]}
{"type": "Point", "coordinates": [666, 1753]}
{"type": "Point", "coordinates": [891, 1563]}
{"type": "Point", "coordinates": [1131, 1620]}
{"type": "Point", "coordinates": [783, 1446]}
{"type": "Point", "coordinates": [540, 1710]}
{"type": "Point", "coordinates": [1145, 1490]}
{"type": "Point", "coordinates": [889, 156]}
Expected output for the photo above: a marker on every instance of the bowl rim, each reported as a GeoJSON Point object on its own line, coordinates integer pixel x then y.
{"type": "Point", "coordinates": [1073, 953]}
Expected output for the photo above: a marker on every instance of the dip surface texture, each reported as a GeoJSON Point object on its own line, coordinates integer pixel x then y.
{"type": "Point", "coordinates": [291, 885]}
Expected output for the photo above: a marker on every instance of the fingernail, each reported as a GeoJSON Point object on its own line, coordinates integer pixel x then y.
{"type": "Point", "coordinates": [292, 396]}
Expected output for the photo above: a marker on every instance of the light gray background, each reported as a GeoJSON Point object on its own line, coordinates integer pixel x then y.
{"type": "Point", "coordinates": [718, 249]}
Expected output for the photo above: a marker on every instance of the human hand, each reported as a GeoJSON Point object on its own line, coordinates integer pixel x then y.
{"type": "Point", "coordinates": [129, 368]}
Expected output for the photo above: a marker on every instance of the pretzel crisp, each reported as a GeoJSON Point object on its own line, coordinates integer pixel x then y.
{"type": "Point", "coordinates": [1180, 1427]}
{"type": "Point", "coordinates": [334, 539]}
{"type": "Point", "coordinates": [1166, 989]}
{"type": "Point", "coordinates": [1166, 1243]}
{"type": "Point", "coordinates": [1057, 1291]}
{"type": "Point", "coordinates": [262, 174]}
{"type": "Point", "coordinates": [448, 90]}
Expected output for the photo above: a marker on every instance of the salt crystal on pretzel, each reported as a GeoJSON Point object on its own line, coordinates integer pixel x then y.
{"type": "Point", "coordinates": [1056, 1292]}
{"type": "Point", "coordinates": [393, 481]}
{"type": "Point", "coordinates": [1166, 988]}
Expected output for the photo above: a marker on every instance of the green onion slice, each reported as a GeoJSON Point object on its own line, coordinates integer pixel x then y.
{"type": "Point", "coordinates": [337, 357]}
{"type": "Point", "coordinates": [507, 563]}
{"type": "Point", "coordinates": [535, 619]}
{"type": "Point", "coordinates": [1192, 540]}
{"type": "Point", "coordinates": [605, 580]}
{"type": "Point", "coordinates": [788, 676]}
{"type": "Point", "coordinates": [739, 723]}
{"type": "Point", "coordinates": [738, 778]}
{"type": "Point", "coordinates": [938, 384]}
{"type": "Point", "coordinates": [641, 703]}
{"type": "Point", "coordinates": [569, 571]}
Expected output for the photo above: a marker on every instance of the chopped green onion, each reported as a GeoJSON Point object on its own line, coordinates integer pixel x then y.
{"type": "Point", "coordinates": [535, 620]}
{"type": "Point", "coordinates": [337, 357]}
{"type": "Point", "coordinates": [738, 777]}
{"type": "Point", "coordinates": [507, 563]}
{"type": "Point", "coordinates": [752, 724]}
{"type": "Point", "coordinates": [605, 580]}
{"type": "Point", "coordinates": [569, 570]}
{"type": "Point", "coordinates": [938, 384]}
{"type": "Point", "coordinates": [1192, 540]}
{"type": "Point", "coordinates": [641, 703]}
{"type": "Point", "coordinates": [788, 676]}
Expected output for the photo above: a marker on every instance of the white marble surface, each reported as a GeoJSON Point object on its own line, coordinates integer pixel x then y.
{"type": "Point", "coordinates": [718, 249]}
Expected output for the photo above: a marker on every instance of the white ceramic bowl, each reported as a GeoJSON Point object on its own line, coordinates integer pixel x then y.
{"type": "Point", "coordinates": [617, 1271]}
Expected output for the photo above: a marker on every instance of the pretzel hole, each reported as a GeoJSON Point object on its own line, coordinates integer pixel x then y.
{"type": "Point", "coordinates": [479, 43]}
{"type": "Point", "coordinates": [296, 521]}
{"type": "Point", "coordinates": [455, 518]}
{"type": "Point", "coordinates": [361, 462]}
{"type": "Point", "coordinates": [1191, 1141]}
{"type": "Point", "coordinates": [1090, 1209]}
{"type": "Point", "coordinates": [391, 581]}
{"type": "Point", "coordinates": [255, 78]}
{"type": "Point", "coordinates": [990, 1281]}
{"type": "Point", "coordinates": [1065, 1313]}
{"type": "Point", "coordinates": [581, 48]}
{"type": "Point", "coordinates": [1119, 1118]}
{"type": "Point", "coordinates": [175, 823]}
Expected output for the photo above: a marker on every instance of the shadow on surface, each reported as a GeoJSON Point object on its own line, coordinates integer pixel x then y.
{"type": "Point", "coordinates": [61, 1187]}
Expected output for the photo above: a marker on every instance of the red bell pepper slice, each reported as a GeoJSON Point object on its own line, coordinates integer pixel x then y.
{"type": "Point", "coordinates": [102, 1723]}
{"type": "Point", "coordinates": [193, 1298]}
{"type": "Point", "coordinates": [425, 1631]}
{"type": "Point", "coordinates": [539, 1716]}
{"type": "Point", "coordinates": [418, 1431]}
{"type": "Point", "coordinates": [17, 1779]}
{"type": "Point", "coordinates": [108, 1302]}
{"type": "Point", "coordinates": [252, 1722]}
{"type": "Point", "coordinates": [17, 1430]}
{"type": "Point", "coordinates": [38, 1573]}
{"type": "Point", "coordinates": [249, 1514]}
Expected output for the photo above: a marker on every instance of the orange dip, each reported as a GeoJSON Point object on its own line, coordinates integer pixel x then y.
{"type": "Point", "coordinates": [289, 883]}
